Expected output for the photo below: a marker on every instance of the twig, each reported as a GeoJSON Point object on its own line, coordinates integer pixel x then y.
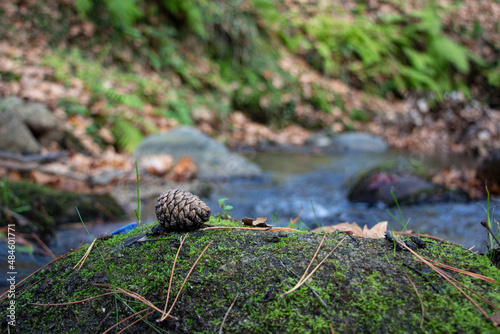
{"type": "Point", "coordinates": [298, 285]}
{"type": "Point", "coordinates": [485, 225]}
{"type": "Point", "coordinates": [227, 313]}
{"type": "Point", "coordinates": [183, 283]}
{"type": "Point", "coordinates": [310, 287]}
{"type": "Point", "coordinates": [420, 299]}
{"type": "Point", "coordinates": [426, 236]}
{"type": "Point", "coordinates": [33, 157]}
{"type": "Point", "coordinates": [331, 328]}
{"type": "Point", "coordinates": [278, 229]}
{"type": "Point", "coordinates": [26, 167]}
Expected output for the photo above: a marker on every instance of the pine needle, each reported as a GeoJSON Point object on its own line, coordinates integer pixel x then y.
{"type": "Point", "coordinates": [75, 302]}
{"type": "Point", "coordinates": [313, 258]}
{"type": "Point", "coordinates": [183, 283]}
{"type": "Point", "coordinates": [118, 323]}
{"type": "Point", "coordinates": [140, 319]}
{"type": "Point", "coordinates": [130, 294]}
{"type": "Point", "coordinates": [172, 273]}
{"type": "Point", "coordinates": [420, 299]}
{"type": "Point", "coordinates": [44, 246]}
{"type": "Point", "coordinates": [445, 276]}
{"type": "Point", "coordinates": [84, 257]}
{"type": "Point", "coordinates": [4, 295]}
{"type": "Point", "coordinates": [302, 281]}
{"type": "Point", "coordinates": [465, 272]}
{"type": "Point", "coordinates": [227, 313]}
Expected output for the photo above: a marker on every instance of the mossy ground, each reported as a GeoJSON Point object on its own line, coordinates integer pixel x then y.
{"type": "Point", "coordinates": [364, 285]}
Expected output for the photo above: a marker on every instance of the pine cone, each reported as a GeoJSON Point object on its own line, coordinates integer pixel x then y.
{"type": "Point", "coordinates": [179, 210]}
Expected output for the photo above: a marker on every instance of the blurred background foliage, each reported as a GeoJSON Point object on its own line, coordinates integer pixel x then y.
{"type": "Point", "coordinates": [225, 55]}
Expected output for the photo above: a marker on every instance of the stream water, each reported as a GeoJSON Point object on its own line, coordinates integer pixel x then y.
{"type": "Point", "coordinates": [317, 185]}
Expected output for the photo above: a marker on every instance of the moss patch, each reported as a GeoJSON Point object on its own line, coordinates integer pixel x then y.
{"type": "Point", "coordinates": [363, 284]}
{"type": "Point", "coordinates": [45, 207]}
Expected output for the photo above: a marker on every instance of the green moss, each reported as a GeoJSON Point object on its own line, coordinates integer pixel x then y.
{"type": "Point", "coordinates": [363, 284]}
{"type": "Point", "coordinates": [45, 207]}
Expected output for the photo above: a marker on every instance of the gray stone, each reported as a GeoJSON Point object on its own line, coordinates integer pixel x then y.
{"type": "Point", "coordinates": [380, 186]}
{"type": "Point", "coordinates": [42, 123]}
{"type": "Point", "coordinates": [359, 142]}
{"type": "Point", "coordinates": [15, 136]}
{"type": "Point", "coordinates": [25, 126]}
{"type": "Point", "coordinates": [213, 159]}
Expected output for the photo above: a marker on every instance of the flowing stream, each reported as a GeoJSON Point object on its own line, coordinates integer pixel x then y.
{"type": "Point", "coordinates": [317, 185]}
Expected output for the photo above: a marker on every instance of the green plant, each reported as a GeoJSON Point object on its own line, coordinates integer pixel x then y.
{"type": "Point", "coordinates": [8, 204]}
{"type": "Point", "coordinates": [138, 210]}
{"type": "Point", "coordinates": [127, 135]}
{"type": "Point", "coordinates": [490, 221]}
{"type": "Point", "coordinates": [224, 214]}
{"type": "Point", "coordinates": [401, 220]}
{"type": "Point", "coordinates": [393, 52]}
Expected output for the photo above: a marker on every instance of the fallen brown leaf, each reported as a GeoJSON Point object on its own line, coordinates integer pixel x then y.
{"type": "Point", "coordinates": [259, 222]}
{"type": "Point", "coordinates": [376, 232]}
{"type": "Point", "coordinates": [185, 170]}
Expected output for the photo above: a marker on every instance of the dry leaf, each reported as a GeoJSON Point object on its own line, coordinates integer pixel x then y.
{"type": "Point", "coordinates": [185, 170]}
{"type": "Point", "coordinates": [157, 164]}
{"type": "Point", "coordinates": [45, 179]}
{"type": "Point", "coordinates": [294, 221]}
{"type": "Point", "coordinates": [259, 222]}
{"type": "Point", "coordinates": [377, 231]}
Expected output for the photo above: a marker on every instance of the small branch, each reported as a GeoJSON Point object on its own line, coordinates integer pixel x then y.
{"type": "Point", "coordinates": [27, 167]}
{"type": "Point", "coordinates": [227, 313]}
{"type": "Point", "coordinates": [33, 157]}
{"type": "Point", "coordinates": [485, 225]}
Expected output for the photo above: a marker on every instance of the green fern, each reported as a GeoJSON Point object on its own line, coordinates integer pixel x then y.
{"type": "Point", "coordinates": [83, 7]}
{"type": "Point", "coordinates": [127, 136]}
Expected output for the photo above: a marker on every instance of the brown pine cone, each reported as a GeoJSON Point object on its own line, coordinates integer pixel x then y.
{"type": "Point", "coordinates": [179, 210]}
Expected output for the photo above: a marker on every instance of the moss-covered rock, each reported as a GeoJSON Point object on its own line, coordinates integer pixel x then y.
{"type": "Point", "coordinates": [44, 208]}
{"type": "Point", "coordinates": [409, 184]}
{"type": "Point", "coordinates": [362, 287]}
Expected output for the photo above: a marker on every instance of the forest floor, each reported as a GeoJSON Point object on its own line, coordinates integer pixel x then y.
{"type": "Point", "coordinates": [457, 124]}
